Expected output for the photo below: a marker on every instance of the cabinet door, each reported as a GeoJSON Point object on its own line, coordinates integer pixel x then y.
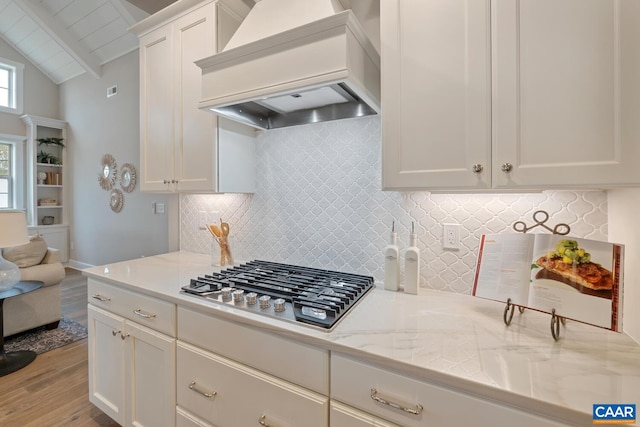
{"type": "Point", "coordinates": [156, 110]}
{"type": "Point", "coordinates": [436, 122]}
{"type": "Point", "coordinates": [195, 150]}
{"type": "Point", "coordinates": [57, 238]}
{"type": "Point", "coordinates": [106, 363]}
{"type": "Point", "coordinates": [565, 85]}
{"type": "Point", "coordinates": [150, 373]}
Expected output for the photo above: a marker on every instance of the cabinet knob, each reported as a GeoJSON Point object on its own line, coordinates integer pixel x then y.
{"type": "Point", "coordinates": [263, 421]}
{"type": "Point", "coordinates": [114, 332]}
{"type": "Point", "coordinates": [174, 181]}
{"type": "Point", "coordinates": [506, 167]}
{"type": "Point", "coordinates": [165, 181]}
{"type": "Point", "coordinates": [124, 336]}
{"type": "Point", "coordinates": [477, 168]}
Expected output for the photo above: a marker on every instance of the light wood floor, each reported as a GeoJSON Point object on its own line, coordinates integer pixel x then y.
{"type": "Point", "coordinates": [53, 390]}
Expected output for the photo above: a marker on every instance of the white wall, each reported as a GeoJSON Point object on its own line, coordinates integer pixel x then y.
{"type": "Point", "coordinates": [40, 94]}
{"type": "Point", "coordinates": [624, 205]}
{"type": "Point", "coordinates": [97, 126]}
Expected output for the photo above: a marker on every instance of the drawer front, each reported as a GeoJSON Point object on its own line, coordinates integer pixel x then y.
{"type": "Point", "coordinates": [185, 419]}
{"type": "Point", "coordinates": [151, 312]}
{"type": "Point", "coordinates": [293, 361]}
{"type": "Point", "coordinates": [228, 394]}
{"type": "Point", "coordinates": [352, 383]}
{"type": "Point", "coordinates": [346, 416]}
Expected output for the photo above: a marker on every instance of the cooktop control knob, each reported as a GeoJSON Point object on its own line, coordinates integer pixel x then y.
{"type": "Point", "coordinates": [238, 295]}
{"type": "Point", "coordinates": [251, 298]}
{"type": "Point", "coordinates": [264, 301]}
{"type": "Point", "coordinates": [226, 293]}
{"type": "Point", "coordinates": [278, 305]}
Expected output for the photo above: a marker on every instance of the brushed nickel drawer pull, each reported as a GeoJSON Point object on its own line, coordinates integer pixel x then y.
{"type": "Point", "coordinates": [198, 390]}
{"type": "Point", "coordinates": [416, 411]}
{"type": "Point", "coordinates": [262, 421]}
{"type": "Point", "coordinates": [144, 314]}
{"type": "Point", "coordinates": [101, 297]}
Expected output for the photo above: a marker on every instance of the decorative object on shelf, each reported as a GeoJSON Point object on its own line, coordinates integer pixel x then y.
{"type": "Point", "coordinates": [47, 158]}
{"type": "Point", "coordinates": [116, 200]}
{"type": "Point", "coordinates": [47, 202]}
{"type": "Point", "coordinates": [128, 177]}
{"type": "Point", "coordinates": [108, 172]}
{"type": "Point", "coordinates": [13, 232]}
{"type": "Point", "coordinates": [48, 220]}
{"type": "Point", "coordinates": [51, 141]}
{"type": "Point", "coordinates": [42, 176]}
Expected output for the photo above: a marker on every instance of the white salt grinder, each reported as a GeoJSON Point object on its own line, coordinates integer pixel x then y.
{"type": "Point", "coordinates": [392, 262]}
{"type": "Point", "coordinates": [412, 265]}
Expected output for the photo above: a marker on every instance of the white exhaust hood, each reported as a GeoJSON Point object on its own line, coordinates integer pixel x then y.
{"type": "Point", "coordinates": [294, 62]}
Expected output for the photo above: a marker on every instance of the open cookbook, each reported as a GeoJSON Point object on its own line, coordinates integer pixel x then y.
{"type": "Point", "coordinates": [578, 278]}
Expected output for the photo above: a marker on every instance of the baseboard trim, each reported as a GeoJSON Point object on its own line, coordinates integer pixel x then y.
{"type": "Point", "coordinates": [78, 265]}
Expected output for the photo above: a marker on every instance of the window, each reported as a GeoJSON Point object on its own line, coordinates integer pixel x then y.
{"type": "Point", "coordinates": [6, 185]}
{"type": "Point", "coordinates": [11, 86]}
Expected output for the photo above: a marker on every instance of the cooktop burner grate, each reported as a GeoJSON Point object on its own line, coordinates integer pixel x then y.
{"type": "Point", "coordinates": [301, 294]}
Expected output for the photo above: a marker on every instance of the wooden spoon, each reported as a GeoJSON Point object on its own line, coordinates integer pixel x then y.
{"type": "Point", "coordinates": [215, 230]}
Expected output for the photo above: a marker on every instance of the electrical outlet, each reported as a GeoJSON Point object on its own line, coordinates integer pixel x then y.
{"type": "Point", "coordinates": [213, 218]}
{"type": "Point", "coordinates": [451, 236]}
{"type": "Point", "coordinates": [202, 220]}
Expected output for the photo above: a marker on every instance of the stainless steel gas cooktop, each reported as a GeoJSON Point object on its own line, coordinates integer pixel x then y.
{"type": "Point", "coordinates": [299, 294]}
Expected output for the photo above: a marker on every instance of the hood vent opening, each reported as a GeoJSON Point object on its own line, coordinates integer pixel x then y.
{"type": "Point", "coordinates": [326, 103]}
{"type": "Point", "coordinates": [326, 69]}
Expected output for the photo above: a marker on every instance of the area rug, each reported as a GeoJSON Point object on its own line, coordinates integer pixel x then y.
{"type": "Point", "coordinates": [40, 340]}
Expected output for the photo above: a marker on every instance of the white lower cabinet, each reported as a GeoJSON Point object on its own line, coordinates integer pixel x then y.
{"type": "Point", "coordinates": [226, 393]}
{"type": "Point", "coordinates": [412, 403]}
{"type": "Point", "coordinates": [131, 366]}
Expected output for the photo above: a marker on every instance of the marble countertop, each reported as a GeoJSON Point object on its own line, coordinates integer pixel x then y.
{"type": "Point", "coordinates": [458, 341]}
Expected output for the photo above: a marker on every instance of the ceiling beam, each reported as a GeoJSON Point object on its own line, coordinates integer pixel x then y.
{"type": "Point", "coordinates": [123, 11]}
{"type": "Point", "coordinates": [62, 36]}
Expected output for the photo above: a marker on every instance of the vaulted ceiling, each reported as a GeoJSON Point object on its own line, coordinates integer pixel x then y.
{"type": "Point", "coordinates": [66, 38]}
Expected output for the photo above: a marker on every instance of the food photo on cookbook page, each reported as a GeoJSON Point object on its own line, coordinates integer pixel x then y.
{"type": "Point", "coordinates": [574, 278]}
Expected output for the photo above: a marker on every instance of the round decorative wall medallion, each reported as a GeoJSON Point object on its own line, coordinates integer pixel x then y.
{"type": "Point", "coordinates": [116, 200]}
{"type": "Point", "coordinates": [108, 172]}
{"type": "Point", "coordinates": [128, 177]}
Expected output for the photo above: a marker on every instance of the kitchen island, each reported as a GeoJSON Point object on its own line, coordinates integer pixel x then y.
{"type": "Point", "coordinates": [451, 343]}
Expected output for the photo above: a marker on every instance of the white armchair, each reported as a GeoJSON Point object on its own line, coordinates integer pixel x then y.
{"type": "Point", "coordinates": [40, 307]}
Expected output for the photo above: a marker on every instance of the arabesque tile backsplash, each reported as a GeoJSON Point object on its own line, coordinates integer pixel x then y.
{"type": "Point", "coordinates": [318, 203]}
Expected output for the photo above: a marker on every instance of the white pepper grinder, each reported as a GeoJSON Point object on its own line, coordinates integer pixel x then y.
{"type": "Point", "coordinates": [412, 264]}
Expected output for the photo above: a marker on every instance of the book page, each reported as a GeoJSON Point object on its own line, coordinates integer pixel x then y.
{"type": "Point", "coordinates": [503, 267]}
{"type": "Point", "coordinates": [581, 279]}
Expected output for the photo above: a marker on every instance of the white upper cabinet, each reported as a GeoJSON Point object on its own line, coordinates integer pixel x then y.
{"type": "Point", "coordinates": [509, 94]}
{"type": "Point", "coordinates": [183, 148]}
{"type": "Point", "coordinates": [436, 88]}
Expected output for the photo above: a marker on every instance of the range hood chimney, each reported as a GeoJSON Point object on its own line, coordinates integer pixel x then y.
{"type": "Point", "coordinates": [294, 62]}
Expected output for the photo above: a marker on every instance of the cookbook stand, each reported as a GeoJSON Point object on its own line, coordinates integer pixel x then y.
{"type": "Point", "coordinates": [540, 217]}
